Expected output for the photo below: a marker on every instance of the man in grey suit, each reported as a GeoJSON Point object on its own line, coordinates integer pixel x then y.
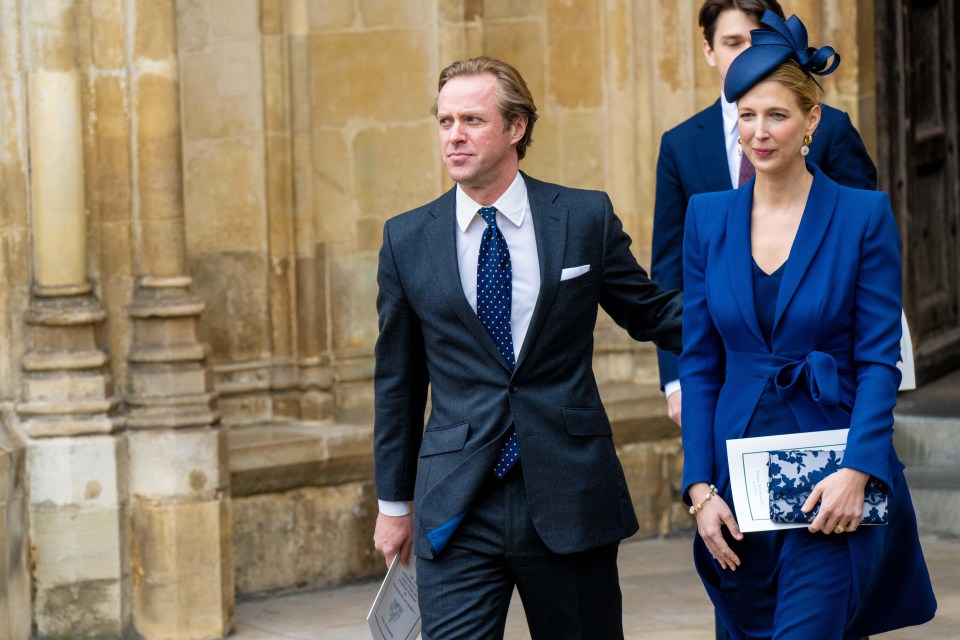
{"type": "Point", "coordinates": [489, 297]}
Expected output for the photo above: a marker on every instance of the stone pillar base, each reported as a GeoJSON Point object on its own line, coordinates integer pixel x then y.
{"type": "Point", "coordinates": [182, 569]}
{"type": "Point", "coordinates": [78, 529]}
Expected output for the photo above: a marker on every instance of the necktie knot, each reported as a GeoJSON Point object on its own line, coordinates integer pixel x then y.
{"type": "Point", "coordinates": [489, 215]}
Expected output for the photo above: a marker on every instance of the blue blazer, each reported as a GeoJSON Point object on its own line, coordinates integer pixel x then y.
{"type": "Point", "coordinates": [430, 336]}
{"type": "Point", "coordinates": [693, 159]}
{"type": "Point", "coordinates": [833, 356]}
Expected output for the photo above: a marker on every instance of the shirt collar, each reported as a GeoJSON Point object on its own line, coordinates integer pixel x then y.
{"type": "Point", "coordinates": [512, 204]}
{"type": "Point", "coordinates": [730, 114]}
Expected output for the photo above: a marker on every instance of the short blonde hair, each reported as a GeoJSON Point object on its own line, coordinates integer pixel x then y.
{"type": "Point", "coordinates": [790, 75]}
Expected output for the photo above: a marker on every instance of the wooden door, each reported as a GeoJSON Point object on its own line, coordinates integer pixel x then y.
{"type": "Point", "coordinates": [917, 55]}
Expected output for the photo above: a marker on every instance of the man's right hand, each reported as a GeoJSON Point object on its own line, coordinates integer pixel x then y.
{"type": "Point", "coordinates": [673, 407]}
{"type": "Point", "coordinates": [393, 535]}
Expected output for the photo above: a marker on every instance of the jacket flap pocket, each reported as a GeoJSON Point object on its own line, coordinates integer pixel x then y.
{"type": "Point", "coordinates": [444, 440]}
{"type": "Point", "coordinates": [586, 422]}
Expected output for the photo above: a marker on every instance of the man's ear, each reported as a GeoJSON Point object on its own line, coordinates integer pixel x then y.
{"type": "Point", "coordinates": [709, 54]}
{"type": "Point", "coordinates": [518, 128]}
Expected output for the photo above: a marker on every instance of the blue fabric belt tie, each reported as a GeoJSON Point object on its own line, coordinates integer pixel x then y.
{"type": "Point", "coordinates": [809, 383]}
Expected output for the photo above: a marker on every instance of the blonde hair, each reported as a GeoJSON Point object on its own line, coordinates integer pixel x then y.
{"type": "Point", "coordinates": [514, 98]}
{"type": "Point", "coordinates": [790, 75]}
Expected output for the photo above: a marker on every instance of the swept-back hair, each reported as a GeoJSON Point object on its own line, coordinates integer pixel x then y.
{"type": "Point", "coordinates": [513, 96]}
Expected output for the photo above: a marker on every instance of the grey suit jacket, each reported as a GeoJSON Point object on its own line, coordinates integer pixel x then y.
{"type": "Point", "coordinates": [430, 336]}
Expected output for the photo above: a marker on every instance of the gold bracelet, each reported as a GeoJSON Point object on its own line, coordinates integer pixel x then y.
{"type": "Point", "coordinates": [694, 509]}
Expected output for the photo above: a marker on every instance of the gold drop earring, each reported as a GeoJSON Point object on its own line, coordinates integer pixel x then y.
{"type": "Point", "coordinates": [805, 149]}
{"type": "Point", "coordinates": [740, 147]}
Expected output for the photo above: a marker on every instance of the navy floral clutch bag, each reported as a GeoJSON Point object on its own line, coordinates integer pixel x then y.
{"type": "Point", "coordinates": [795, 472]}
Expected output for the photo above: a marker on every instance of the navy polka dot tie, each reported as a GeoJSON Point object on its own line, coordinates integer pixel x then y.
{"type": "Point", "coordinates": [494, 289]}
{"type": "Point", "coordinates": [494, 299]}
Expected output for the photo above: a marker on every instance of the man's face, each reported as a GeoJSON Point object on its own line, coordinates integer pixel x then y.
{"type": "Point", "coordinates": [480, 153]}
{"type": "Point", "coordinates": [731, 37]}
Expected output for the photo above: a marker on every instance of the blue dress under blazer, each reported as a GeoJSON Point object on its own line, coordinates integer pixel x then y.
{"type": "Point", "coordinates": [830, 361]}
{"type": "Point", "coordinates": [430, 336]}
{"type": "Point", "coordinates": [693, 159]}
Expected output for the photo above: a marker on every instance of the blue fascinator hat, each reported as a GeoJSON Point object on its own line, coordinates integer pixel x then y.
{"type": "Point", "coordinates": [773, 45]}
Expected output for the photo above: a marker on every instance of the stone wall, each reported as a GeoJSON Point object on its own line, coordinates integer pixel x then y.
{"type": "Point", "coordinates": [307, 125]}
{"type": "Point", "coordinates": [16, 616]}
{"type": "Point", "coordinates": [191, 199]}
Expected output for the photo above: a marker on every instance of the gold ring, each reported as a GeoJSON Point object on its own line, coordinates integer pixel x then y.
{"type": "Point", "coordinates": [839, 528]}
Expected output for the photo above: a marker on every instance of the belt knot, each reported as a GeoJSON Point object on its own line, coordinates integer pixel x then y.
{"type": "Point", "coordinates": [818, 370]}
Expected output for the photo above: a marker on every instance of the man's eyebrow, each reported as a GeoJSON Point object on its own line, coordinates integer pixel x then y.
{"type": "Point", "coordinates": [464, 113]}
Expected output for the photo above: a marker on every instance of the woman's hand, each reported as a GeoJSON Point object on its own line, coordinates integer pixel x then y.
{"type": "Point", "coordinates": [841, 502]}
{"type": "Point", "coordinates": [711, 518]}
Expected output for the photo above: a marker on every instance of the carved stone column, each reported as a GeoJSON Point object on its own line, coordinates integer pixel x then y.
{"type": "Point", "coordinates": [316, 378]}
{"type": "Point", "coordinates": [75, 463]}
{"type": "Point", "coordinates": [182, 562]}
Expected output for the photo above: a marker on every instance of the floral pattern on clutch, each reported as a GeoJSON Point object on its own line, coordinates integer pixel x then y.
{"type": "Point", "coordinates": [793, 475]}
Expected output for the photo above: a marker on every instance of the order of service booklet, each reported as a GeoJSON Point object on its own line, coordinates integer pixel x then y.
{"type": "Point", "coordinates": [909, 380]}
{"type": "Point", "coordinates": [749, 474]}
{"type": "Point", "coordinates": [395, 614]}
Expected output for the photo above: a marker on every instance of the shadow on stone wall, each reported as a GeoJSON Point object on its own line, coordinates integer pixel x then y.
{"type": "Point", "coordinates": [15, 608]}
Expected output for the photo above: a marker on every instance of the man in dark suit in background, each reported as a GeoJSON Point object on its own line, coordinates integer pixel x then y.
{"type": "Point", "coordinates": [700, 155]}
{"type": "Point", "coordinates": [489, 296]}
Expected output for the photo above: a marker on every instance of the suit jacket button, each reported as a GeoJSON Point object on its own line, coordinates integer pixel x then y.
{"type": "Point", "coordinates": [514, 388]}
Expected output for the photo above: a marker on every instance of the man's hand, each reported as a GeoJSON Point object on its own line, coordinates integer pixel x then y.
{"type": "Point", "coordinates": [393, 535]}
{"type": "Point", "coordinates": [673, 407]}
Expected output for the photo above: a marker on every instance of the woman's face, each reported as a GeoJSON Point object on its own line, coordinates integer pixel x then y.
{"type": "Point", "coordinates": [772, 126]}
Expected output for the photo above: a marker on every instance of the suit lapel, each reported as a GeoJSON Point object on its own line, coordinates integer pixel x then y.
{"type": "Point", "coordinates": [710, 148]}
{"type": "Point", "coordinates": [441, 236]}
{"type": "Point", "coordinates": [817, 214]}
{"type": "Point", "coordinates": [740, 256]}
{"type": "Point", "coordinates": [550, 228]}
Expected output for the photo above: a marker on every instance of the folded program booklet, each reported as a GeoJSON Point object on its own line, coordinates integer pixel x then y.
{"type": "Point", "coordinates": [395, 613]}
{"type": "Point", "coordinates": [750, 473]}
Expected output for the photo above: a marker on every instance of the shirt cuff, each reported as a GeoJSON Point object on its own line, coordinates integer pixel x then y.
{"type": "Point", "coordinates": [671, 388]}
{"type": "Point", "coordinates": [394, 509]}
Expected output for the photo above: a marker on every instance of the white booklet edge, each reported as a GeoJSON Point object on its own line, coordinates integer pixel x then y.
{"type": "Point", "coordinates": [749, 476]}
{"type": "Point", "coordinates": [395, 612]}
{"type": "Point", "coordinates": [908, 381]}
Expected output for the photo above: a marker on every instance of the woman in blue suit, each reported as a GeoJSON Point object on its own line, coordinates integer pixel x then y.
{"type": "Point", "coordinates": [791, 323]}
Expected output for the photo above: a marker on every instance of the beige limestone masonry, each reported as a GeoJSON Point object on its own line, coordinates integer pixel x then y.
{"type": "Point", "coordinates": [311, 537]}
{"type": "Point", "coordinates": [78, 535]}
{"type": "Point", "coordinates": [16, 617]}
{"type": "Point", "coordinates": [182, 569]}
{"type": "Point", "coordinates": [192, 195]}
{"type": "Point", "coordinates": [56, 152]}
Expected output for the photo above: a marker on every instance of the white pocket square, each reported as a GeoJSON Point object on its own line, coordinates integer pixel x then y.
{"type": "Point", "coordinates": [573, 272]}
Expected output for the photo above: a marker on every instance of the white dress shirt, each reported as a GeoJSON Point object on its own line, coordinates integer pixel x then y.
{"type": "Point", "coordinates": [730, 137]}
{"type": "Point", "coordinates": [516, 224]}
